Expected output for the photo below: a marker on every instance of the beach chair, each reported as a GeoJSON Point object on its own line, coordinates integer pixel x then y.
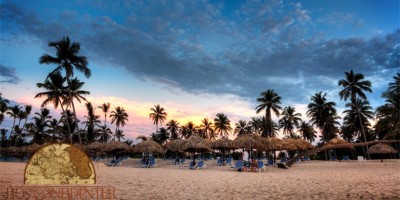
{"type": "Point", "coordinates": [270, 162]}
{"type": "Point", "coordinates": [306, 158]}
{"type": "Point", "coordinates": [283, 160]}
{"type": "Point", "coordinates": [219, 161]}
{"type": "Point", "coordinates": [152, 163]}
{"type": "Point", "coordinates": [191, 165]}
{"type": "Point", "coordinates": [260, 166]}
{"type": "Point", "coordinates": [238, 165]}
{"type": "Point", "coordinates": [201, 165]}
{"type": "Point", "coordinates": [361, 159]}
{"type": "Point", "coordinates": [228, 161]}
{"type": "Point", "coordinates": [117, 163]}
{"type": "Point", "coordinates": [345, 157]}
{"type": "Point", "coordinates": [332, 158]}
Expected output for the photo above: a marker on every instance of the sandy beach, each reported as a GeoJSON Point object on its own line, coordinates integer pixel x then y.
{"type": "Point", "coordinates": [308, 180]}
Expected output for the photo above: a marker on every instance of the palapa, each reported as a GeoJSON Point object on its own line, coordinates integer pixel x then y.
{"type": "Point", "coordinates": [381, 148]}
{"type": "Point", "coordinates": [290, 144]}
{"type": "Point", "coordinates": [33, 147]}
{"type": "Point", "coordinates": [336, 141]}
{"type": "Point", "coordinates": [252, 141]}
{"type": "Point", "coordinates": [174, 145]}
{"type": "Point", "coordinates": [95, 146]}
{"type": "Point", "coordinates": [116, 146]}
{"type": "Point", "coordinates": [223, 144]}
{"type": "Point", "coordinates": [196, 144]}
{"type": "Point", "coordinates": [277, 144]}
{"type": "Point", "coordinates": [148, 146]}
{"type": "Point", "coordinates": [304, 145]}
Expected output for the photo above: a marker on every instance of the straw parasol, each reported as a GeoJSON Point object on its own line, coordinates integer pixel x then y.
{"type": "Point", "coordinates": [336, 141]}
{"type": "Point", "coordinates": [290, 144]}
{"type": "Point", "coordinates": [174, 145]}
{"type": "Point", "coordinates": [223, 144]}
{"type": "Point", "coordinates": [252, 141]}
{"type": "Point", "coordinates": [33, 147]}
{"type": "Point", "coordinates": [304, 145]}
{"type": "Point", "coordinates": [381, 148]}
{"type": "Point", "coordinates": [116, 146]}
{"type": "Point", "coordinates": [195, 144]}
{"type": "Point", "coordinates": [148, 146]}
{"type": "Point", "coordinates": [277, 144]}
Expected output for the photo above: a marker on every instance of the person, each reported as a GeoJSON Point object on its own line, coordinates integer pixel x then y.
{"type": "Point", "coordinates": [253, 167]}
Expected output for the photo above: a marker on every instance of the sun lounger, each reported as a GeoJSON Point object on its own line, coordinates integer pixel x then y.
{"type": "Point", "coordinates": [238, 165]}
{"type": "Point", "coordinates": [219, 161]}
{"type": "Point", "coordinates": [346, 157]}
{"type": "Point", "coordinates": [201, 165]}
{"type": "Point", "coordinates": [270, 162]}
{"type": "Point", "coordinates": [152, 164]}
{"type": "Point", "coordinates": [283, 160]}
{"type": "Point", "coordinates": [228, 161]}
{"type": "Point", "coordinates": [260, 166]}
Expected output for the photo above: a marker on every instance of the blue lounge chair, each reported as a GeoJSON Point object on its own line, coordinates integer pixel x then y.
{"type": "Point", "coordinates": [191, 165]}
{"type": "Point", "coordinates": [219, 161]}
{"type": "Point", "coordinates": [260, 166]}
{"type": "Point", "coordinates": [346, 157]}
{"type": "Point", "coordinates": [283, 160]}
{"type": "Point", "coordinates": [152, 163]}
{"type": "Point", "coordinates": [270, 162]}
{"type": "Point", "coordinates": [201, 165]}
{"type": "Point", "coordinates": [228, 161]}
{"type": "Point", "coordinates": [238, 165]}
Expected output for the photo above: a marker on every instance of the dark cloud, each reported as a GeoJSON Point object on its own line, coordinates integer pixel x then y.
{"type": "Point", "coordinates": [8, 75]}
{"type": "Point", "coordinates": [200, 50]}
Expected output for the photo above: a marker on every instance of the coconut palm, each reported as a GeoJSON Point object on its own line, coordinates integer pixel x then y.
{"type": "Point", "coordinates": [354, 86]}
{"type": "Point", "coordinates": [162, 136]}
{"type": "Point", "coordinates": [270, 100]}
{"type": "Point", "coordinates": [3, 107]}
{"type": "Point", "coordinates": [222, 124]}
{"type": "Point", "coordinates": [105, 107]}
{"type": "Point", "coordinates": [13, 112]}
{"type": "Point", "coordinates": [119, 116]}
{"type": "Point", "coordinates": [54, 129]}
{"type": "Point", "coordinates": [91, 122]}
{"type": "Point", "coordinates": [104, 134]}
{"type": "Point", "coordinates": [3, 133]}
{"type": "Point", "coordinates": [158, 115]}
{"type": "Point", "coordinates": [27, 111]}
{"type": "Point", "coordinates": [38, 128]}
{"type": "Point", "coordinates": [207, 128]}
{"type": "Point", "coordinates": [68, 60]}
{"type": "Point", "coordinates": [241, 128]}
{"type": "Point", "coordinates": [119, 134]}
{"type": "Point", "coordinates": [307, 131]}
{"type": "Point", "coordinates": [360, 109]}
{"type": "Point", "coordinates": [290, 120]}
{"type": "Point", "coordinates": [56, 94]}
{"type": "Point", "coordinates": [173, 128]}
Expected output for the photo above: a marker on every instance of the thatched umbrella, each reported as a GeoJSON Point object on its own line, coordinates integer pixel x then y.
{"type": "Point", "coordinates": [304, 145]}
{"type": "Point", "coordinates": [290, 144]}
{"type": "Point", "coordinates": [33, 147]}
{"type": "Point", "coordinates": [116, 146]}
{"type": "Point", "coordinates": [252, 141]}
{"type": "Point", "coordinates": [174, 145]}
{"type": "Point", "coordinates": [277, 144]}
{"type": "Point", "coordinates": [381, 148]}
{"type": "Point", "coordinates": [95, 148]}
{"type": "Point", "coordinates": [223, 144]}
{"type": "Point", "coordinates": [148, 146]}
{"type": "Point", "coordinates": [336, 141]}
{"type": "Point", "coordinates": [195, 144]}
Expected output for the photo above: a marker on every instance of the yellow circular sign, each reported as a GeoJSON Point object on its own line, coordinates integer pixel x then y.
{"type": "Point", "coordinates": [59, 164]}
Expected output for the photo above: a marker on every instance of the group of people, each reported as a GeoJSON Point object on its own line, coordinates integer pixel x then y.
{"type": "Point", "coordinates": [249, 164]}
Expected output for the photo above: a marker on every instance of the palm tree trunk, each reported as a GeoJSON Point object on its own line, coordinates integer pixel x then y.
{"type": "Point", "coordinates": [363, 133]}
{"type": "Point", "coordinates": [12, 128]}
{"type": "Point", "coordinates": [68, 128]}
{"type": "Point", "coordinates": [73, 108]}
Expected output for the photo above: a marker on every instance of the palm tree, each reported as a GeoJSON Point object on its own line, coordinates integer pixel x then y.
{"type": "Point", "coordinates": [67, 59]}
{"type": "Point", "coordinates": [307, 131]}
{"type": "Point", "coordinates": [54, 128]}
{"type": "Point", "coordinates": [13, 112]}
{"type": "Point", "coordinates": [105, 107]}
{"type": "Point", "coordinates": [119, 134]}
{"type": "Point", "coordinates": [270, 100]}
{"type": "Point", "coordinates": [104, 134]}
{"type": "Point", "coordinates": [158, 115]}
{"type": "Point", "coordinates": [119, 116]}
{"type": "Point", "coordinates": [163, 135]}
{"type": "Point", "coordinates": [222, 124]}
{"type": "Point", "coordinates": [241, 128]}
{"type": "Point", "coordinates": [255, 125]}
{"type": "Point", "coordinates": [3, 140]}
{"type": "Point", "coordinates": [3, 108]}
{"type": "Point", "coordinates": [207, 128]}
{"type": "Point", "coordinates": [290, 120]}
{"type": "Point", "coordinates": [38, 128]}
{"type": "Point", "coordinates": [173, 128]}
{"type": "Point", "coordinates": [91, 122]}
{"type": "Point", "coordinates": [56, 94]}
{"type": "Point", "coordinates": [321, 112]}
{"type": "Point", "coordinates": [27, 112]}
{"type": "Point", "coordinates": [360, 112]}
{"type": "Point", "coordinates": [354, 86]}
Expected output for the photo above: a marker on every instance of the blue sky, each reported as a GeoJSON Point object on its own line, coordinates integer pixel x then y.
{"type": "Point", "coordinates": [198, 58]}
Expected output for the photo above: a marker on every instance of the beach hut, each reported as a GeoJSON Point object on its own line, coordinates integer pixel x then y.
{"type": "Point", "coordinates": [381, 148]}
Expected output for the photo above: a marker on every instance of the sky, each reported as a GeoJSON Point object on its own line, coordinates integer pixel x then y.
{"type": "Point", "coordinates": [200, 58]}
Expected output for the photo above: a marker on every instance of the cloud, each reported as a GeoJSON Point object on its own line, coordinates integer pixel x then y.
{"type": "Point", "coordinates": [203, 51]}
{"type": "Point", "coordinates": [8, 75]}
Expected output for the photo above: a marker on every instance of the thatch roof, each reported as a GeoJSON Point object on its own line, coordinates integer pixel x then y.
{"type": "Point", "coordinates": [115, 146]}
{"type": "Point", "coordinates": [148, 146]}
{"type": "Point", "coordinates": [303, 144]}
{"type": "Point", "coordinates": [174, 145]}
{"type": "Point", "coordinates": [95, 146]}
{"type": "Point", "coordinates": [336, 141]}
{"type": "Point", "coordinates": [196, 144]}
{"type": "Point", "coordinates": [252, 141]}
{"type": "Point", "coordinates": [277, 144]}
{"type": "Point", "coordinates": [381, 148]}
{"type": "Point", "coordinates": [33, 147]}
{"type": "Point", "coordinates": [223, 143]}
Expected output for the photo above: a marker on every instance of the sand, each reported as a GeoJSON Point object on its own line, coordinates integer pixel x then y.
{"type": "Point", "coordinates": [307, 180]}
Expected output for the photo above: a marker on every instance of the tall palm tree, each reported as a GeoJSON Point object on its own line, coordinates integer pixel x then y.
{"type": "Point", "coordinates": [3, 107]}
{"type": "Point", "coordinates": [3, 133]}
{"type": "Point", "coordinates": [75, 92]}
{"type": "Point", "coordinates": [270, 100]}
{"type": "Point", "coordinates": [119, 116]}
{"type": "Point", "coordinates": [222, 124]}
{"type": "Point", "coordinates": [56, 94]}
{"type": "Point", "coordinates": [91, 122]}
{"type": "Point", "coordinates": [321, 111]}
{"type": "Point", "coordinates": [173, 128]}
{"type": "Point", "coordinates": [360, 111]}
{"type": "Point", "coordinates": [105, 107]}
{"type": "Point", "coordinates": [27, 112]}
{"type": "Point", "coordinates": [68, 60]}
{"type": "Point", "coordinates": [158, 115]}
{"type": "Point", "coordinates": [354, 86]}
{"type": "Point", "coordinates": [207, 128]}
{"type": "Point", "coordinates": [241, 128]}
{"type": "Point", "coordinates": [13, 112]}
{"type": "Point", "coordinates": [38, 128]}
{"type": "Point", "coordinates": [255, 125]}
{"type": "Point", "coordinates": [163, 135]}
{"type": "Point", "coordinates": [307, 131]}
{"type": "Point", "coordinates": [290, 120]}
{"type": "Point", "coordinates": [54, 129]}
